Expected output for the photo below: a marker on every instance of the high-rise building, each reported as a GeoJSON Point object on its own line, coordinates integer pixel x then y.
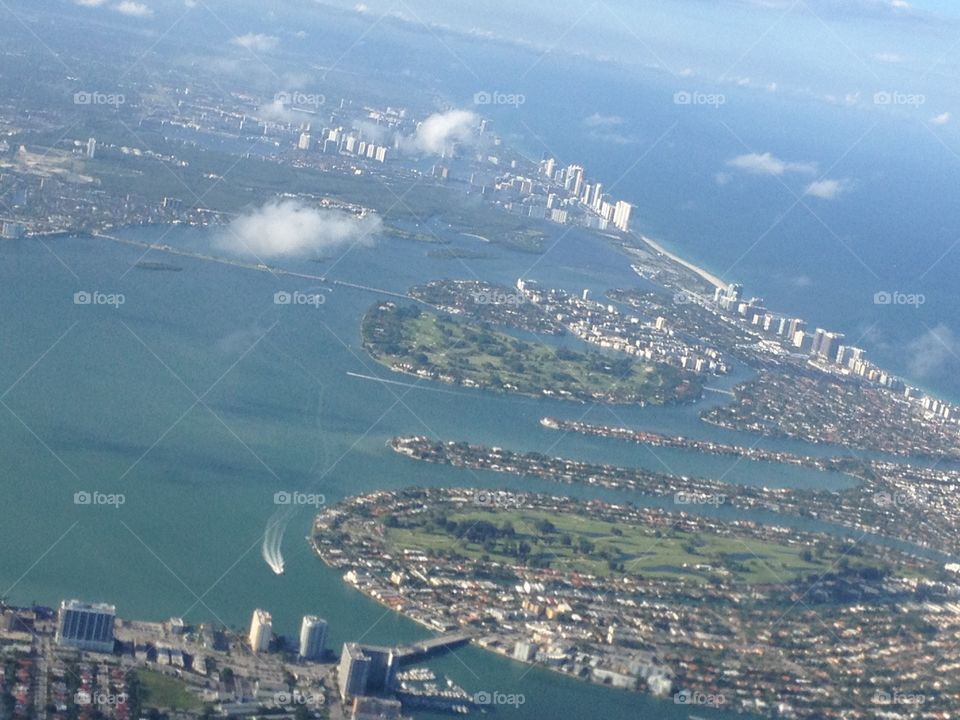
{"type": "Point", "coordinates": [304, 142]}
{"type": "Point", "coordinates": [11, 230]}
{"type": "Point", "coordinates": [91, 148]}
{"type": "Point", "coordinates": [524, 651]}
{"type": "Point", "coordinates": [573, 179]}
{"type": "Point", "coordinates": [261, 630]}
{"type": "Point", "coordinates": [549, 166]}
{"type": "Point", "coordinates": [606, 211]}
{"type": "Point", "coordinates": [87, 626]}
{"type": "Point", "coordinates": [313, 637]}
{"type": "Point", "coordinates": [803, 341]}
{"type": "Point", "coordinates": [621, 215]}
{"type": "Point", "coordinates": [597, 197]}
{"type": "Point", "coordinates": [353, 671]}
{"type": "Point", "coordinates": [796, 325]}
{"type": "Point", "coordinates": [826, 344]}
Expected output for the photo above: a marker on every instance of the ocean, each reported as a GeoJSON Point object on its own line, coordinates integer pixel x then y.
{"type": "Point", "coordinates": [198, 398]}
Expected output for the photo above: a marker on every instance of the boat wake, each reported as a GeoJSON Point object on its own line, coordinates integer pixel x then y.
{"type": "Point", "coordinates": [271, 550]}
{"type": "Point", "coordinates": [273, 539]}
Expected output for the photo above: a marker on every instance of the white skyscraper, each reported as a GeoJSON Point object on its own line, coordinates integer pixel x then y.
{"type": "Point", "coordinates": [621, 215]}
{"type": "Point", "coordinates": [313, 637]}
{"type": "Point", "coordinates": [261, 630]}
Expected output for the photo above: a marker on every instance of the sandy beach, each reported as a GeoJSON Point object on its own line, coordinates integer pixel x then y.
{"type": "Point", "coordinates": [708, 276]}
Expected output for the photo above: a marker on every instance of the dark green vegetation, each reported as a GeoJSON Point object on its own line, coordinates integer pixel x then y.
{"type": "Point", "coordinates": [157, 690]}
{"type": "Point", "coordinates": [576, 543]}
{"type": "Point", "coordinates": [408, 339]}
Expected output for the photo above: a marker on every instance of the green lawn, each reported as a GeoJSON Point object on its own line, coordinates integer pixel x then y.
{"type": "Point", "coordinates": [496, 360]}
{"type": "Point", "coordinates": [165, 692]}
{"type": "Point", "coordinates": [635, 550]}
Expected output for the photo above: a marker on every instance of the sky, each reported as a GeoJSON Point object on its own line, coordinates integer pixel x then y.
{"type": "Point", "coordinates": [892, 56]}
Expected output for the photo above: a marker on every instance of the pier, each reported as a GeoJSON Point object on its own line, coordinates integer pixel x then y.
{"type": "Point", "coordinates": [426, 648]}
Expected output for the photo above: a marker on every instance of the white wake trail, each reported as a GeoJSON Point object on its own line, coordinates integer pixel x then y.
{"type": "Point", "coordinates": [272, 540]}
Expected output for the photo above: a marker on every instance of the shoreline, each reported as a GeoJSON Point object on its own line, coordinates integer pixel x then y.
{"type": "Point", "coordinates": [705, 274]}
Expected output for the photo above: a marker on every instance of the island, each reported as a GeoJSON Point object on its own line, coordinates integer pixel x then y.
{"type": "Point", "coordinates": [742, 616]}
{"type": "Point", "coordinates": [439, 347]}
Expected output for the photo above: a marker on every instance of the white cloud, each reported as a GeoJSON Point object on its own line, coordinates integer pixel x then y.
{"type": "Point", "coordinates": [941, 119]}
{"type": "Point", "coordinates": [598, 120]}
{"type": "Point", "coordinates": [133, 9]}
{"type": "Point", "coordinates": [827, 189]}
{"type": "Point", "coordinates": [613, 138]}
{"type": "Point", "coordinates": [257, 42]}
{"type": "Point", "coordinates": [769, 164]}
{"type": "Point", "coordinates": [440, 130]}
{"type": "Point", "coordinates": [277, 111]}
{"type": "Point", "coordinates": [289, 228]}
{"type": "Point", "coordinates": [935, 353]}
{"type": "Point", "coordinates": [89, 3]}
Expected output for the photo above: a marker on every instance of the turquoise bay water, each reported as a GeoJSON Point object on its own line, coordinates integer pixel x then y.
{"type": "Point", "coordinates": [199, 398]}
